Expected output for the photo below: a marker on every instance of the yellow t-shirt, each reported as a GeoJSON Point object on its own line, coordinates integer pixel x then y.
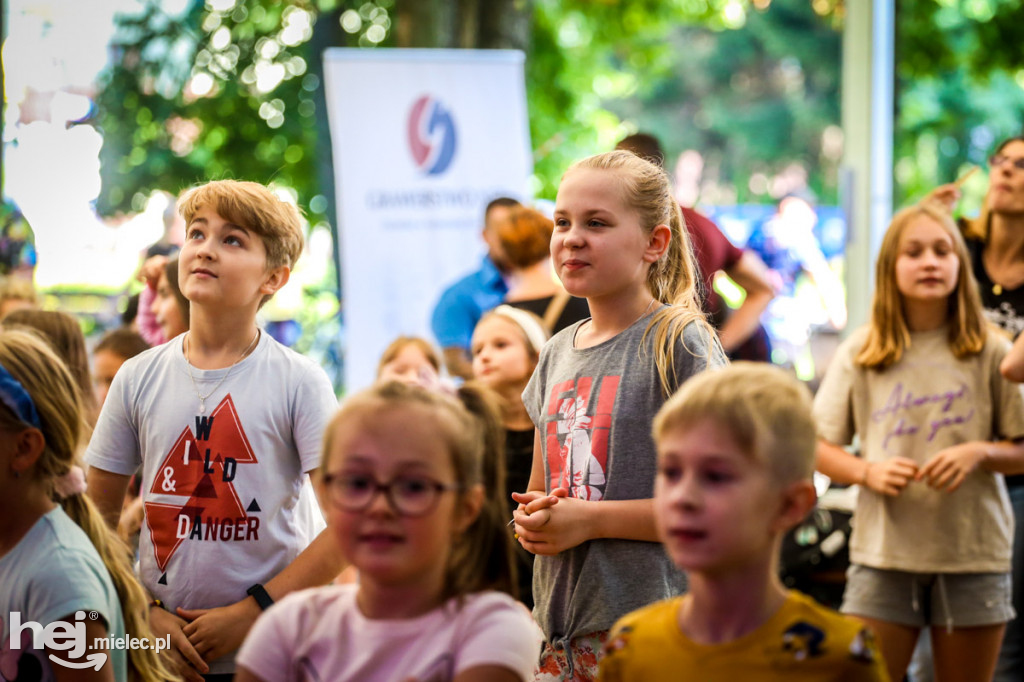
{"type": "Point", "coordinates": [802, 641]}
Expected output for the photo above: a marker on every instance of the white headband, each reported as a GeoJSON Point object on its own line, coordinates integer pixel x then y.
{"type": "Point", "coordinates": [534, 330]}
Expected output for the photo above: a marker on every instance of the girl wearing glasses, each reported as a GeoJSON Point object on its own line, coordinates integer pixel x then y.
{"type": "Point", "coordinates": [995, 242]}
{"type": "Point", "coordinates": [414, 485]}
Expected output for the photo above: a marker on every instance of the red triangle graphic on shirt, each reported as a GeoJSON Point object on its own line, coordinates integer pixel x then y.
{"type": "Point", "coordinates": [199, 467]}
{"type": "Point", "coordinates": [162, 521]}
{"type": "Point", "coordinates": [182, 468]}
{"type": "Point", "coordinates": [227, 438]}
{"type": "Point", "coordinates": [205, 489]}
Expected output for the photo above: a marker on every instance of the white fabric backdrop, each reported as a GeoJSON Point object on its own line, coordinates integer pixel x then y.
{"type": "Point", "coordinates": [422, 140]}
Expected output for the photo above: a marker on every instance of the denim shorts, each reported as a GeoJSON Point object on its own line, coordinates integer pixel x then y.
{"type": "Point", "coordinates": [949, 600]}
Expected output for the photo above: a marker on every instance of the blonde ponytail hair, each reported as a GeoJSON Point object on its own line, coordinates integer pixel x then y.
{"type": "Point", "coordinates": [55, 393]}
{"type": "Point", "coordinates": [673, 279]}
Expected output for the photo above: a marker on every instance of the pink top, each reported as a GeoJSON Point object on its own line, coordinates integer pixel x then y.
{"type": "Point", "coordinates": [320, 634]}
{"type": "Point", "coordinates": [145, 320]}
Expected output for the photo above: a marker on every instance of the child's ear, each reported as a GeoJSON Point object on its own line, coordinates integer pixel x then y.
{"type": "Point", "coordinates": [657, 243]}
{"type": "Point", "coordinates": [28, 446]}
{"type": "Point", "coordinates": [798, 499]}
{"type": "Point", "coordinates": [275, 279]}
{"type": "Point", "coordinates": [471, 503]}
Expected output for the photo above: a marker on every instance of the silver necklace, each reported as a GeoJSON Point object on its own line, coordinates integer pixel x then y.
{"type": "Point", "coordinates": [188, 366]}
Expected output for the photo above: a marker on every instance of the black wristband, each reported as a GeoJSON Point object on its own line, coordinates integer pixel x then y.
{"type": "Point", "coordinates": [259, 593]}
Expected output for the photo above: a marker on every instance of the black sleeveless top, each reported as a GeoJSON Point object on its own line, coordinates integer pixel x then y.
{"type": "Point", "coordinates": [1003, 307]}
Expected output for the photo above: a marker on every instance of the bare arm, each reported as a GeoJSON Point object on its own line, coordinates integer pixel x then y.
{"type": "Point", "coordinates": [457, 362]}
{"type": "Point", "coordinates": [318, 564]}
{"type": "Point", "coordinates": [889, 477]}
{"type": "Point", "coordinates": [1004, 457]}
{"type": "Point", "coordinates": [947, 194]}
{"type": "Point", "coordinates": [93, 630]}
{"type": "Point", "coordinates": [1012, 366]}
{"type": "Point", "coordinates": [751, 274]}
{"type": "Point", "coordinates": [950, 467]}
{"type": "Point", "coordinates": [107, 490]}
{"type": "Point", "coordinates": [537, 471]}
{"type": "Point", "coordinates": [838, 464]}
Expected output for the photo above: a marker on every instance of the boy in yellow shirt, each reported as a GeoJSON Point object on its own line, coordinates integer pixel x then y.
{"type": "Point", "coordinates": [735, 458]}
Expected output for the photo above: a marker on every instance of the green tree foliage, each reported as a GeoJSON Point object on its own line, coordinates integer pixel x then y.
{"type": "Point", "coordinates": [959, 90]}
{"type": "Point", "coordinates": [214, 93]}
{"type": "Point", "coordinates": [587, 58]}
{"type": "Point", "coordinates": [754, 97]}
{"type": "Point", "coordinates": [259, 111]}
{"type": "Point", "coordinates": [235, 89]}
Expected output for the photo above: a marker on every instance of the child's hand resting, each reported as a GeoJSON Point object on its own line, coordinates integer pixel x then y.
{"type": "Point", "coordinates": [950, 467]}
{"type": "Point", "coordinates": [183, 655]}
{"type": "Point", "coordinates": [549, 524]}
{"type": "Point", "coordinates": [219, 631]}
{"type": "Point", "coordinates": [891, 476]}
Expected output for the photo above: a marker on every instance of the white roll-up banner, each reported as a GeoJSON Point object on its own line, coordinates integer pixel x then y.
{"type": "Point", "coordinates": [422, 140]}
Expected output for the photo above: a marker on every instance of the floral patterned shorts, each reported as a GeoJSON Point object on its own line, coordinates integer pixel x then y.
{"type": "Point", "coordinates": [575, 663]}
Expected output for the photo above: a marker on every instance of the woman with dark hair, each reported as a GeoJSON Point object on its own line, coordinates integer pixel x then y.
{"type": "Point", "coordinates": [524, 237]}
{"type": "Point", "coordinates": [995, 240]}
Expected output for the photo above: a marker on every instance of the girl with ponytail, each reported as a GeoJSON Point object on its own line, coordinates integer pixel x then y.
{"type": "Point", "coordinates": [59, 562]}
{"type": "Point", "coordinates": [619, 241]}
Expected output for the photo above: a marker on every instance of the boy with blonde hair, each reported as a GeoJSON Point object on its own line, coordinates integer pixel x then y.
{"type": "Point", "coordinates": [735, 459]}
{"type": "Point", "coordinates": [225, 422]}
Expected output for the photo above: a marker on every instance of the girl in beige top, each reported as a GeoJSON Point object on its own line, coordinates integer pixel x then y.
{"type": "Point", "coordinates": [938, 425]}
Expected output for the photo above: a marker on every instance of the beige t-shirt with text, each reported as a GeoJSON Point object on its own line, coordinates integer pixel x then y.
{"type": "Point", "coordinates": [928, 401]}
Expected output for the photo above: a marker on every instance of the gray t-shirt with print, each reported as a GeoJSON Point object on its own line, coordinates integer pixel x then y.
{"type": "Point", "coordinates": [593, 408]}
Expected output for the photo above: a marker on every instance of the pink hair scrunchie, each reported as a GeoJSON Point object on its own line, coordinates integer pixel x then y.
{"type": "Point", "coordinates": [71, 483]}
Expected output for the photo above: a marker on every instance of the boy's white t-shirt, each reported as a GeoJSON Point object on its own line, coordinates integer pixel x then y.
{"type": "Point", "coordinates": [221, 490]}
{"type": "Point", "coordinates": [320, 634]}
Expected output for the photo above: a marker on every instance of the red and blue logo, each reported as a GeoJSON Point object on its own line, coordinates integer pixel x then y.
{"type": "Point", "coordinates": [431, 135]}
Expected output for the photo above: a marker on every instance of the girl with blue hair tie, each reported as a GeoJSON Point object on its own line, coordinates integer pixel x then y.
{"type": "Point", "coordinates": [59, 563]}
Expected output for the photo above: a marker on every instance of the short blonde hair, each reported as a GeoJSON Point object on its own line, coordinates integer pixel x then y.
{"type": "Point", "coordinates": [254, 207]}
{"type": "Point", "coordinates": [766, 410]}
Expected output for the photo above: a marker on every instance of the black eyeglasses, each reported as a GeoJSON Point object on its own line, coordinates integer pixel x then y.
{"type": "Point", "coordinates": [997, 160]}
{"type": "Point", "coordinates": [407, 495]}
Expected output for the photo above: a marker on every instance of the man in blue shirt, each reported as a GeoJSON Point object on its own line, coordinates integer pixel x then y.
{"type": "Point", "coordinates": [463, 303]}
